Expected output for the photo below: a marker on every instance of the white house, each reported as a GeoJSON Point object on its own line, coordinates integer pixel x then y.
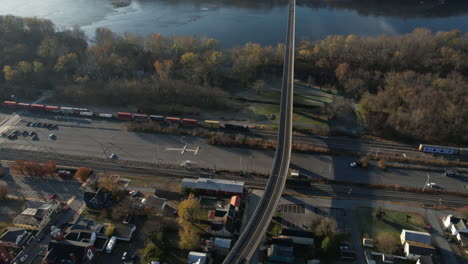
{"type": "Point", "coordinates": [455, 224]}
{"type": "Point", "coordinates": [198, 258]}
{"type": "Point", "coordinates": [415, 236]}
{"type": "Point", "coordinates": [414, 250]}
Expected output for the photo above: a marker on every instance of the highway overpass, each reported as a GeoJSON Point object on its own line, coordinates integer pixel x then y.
{"type": "Point", "coordinates": [256, 228]}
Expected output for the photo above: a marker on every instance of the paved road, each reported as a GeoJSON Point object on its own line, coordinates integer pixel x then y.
{"type": "Point", "coordinates": [255, 230]}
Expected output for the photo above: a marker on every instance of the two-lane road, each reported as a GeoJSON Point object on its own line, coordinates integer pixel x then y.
{"type": "Point", "coordinates": [255, 230]}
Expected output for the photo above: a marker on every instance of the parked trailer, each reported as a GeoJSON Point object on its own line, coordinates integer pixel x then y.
{"type": "Point", "coordinates": [140, 117]}
{"type": "Point", "coordinates": [86, 114]}
{"type": "Point", "coordinates": [51, 108]}
{"type": "Point", "coordinates": [37, 107]}
{"type": "Point", "coordinates": [438, 149]}
{"type": "Point", "coordinates": [190, 122]}
{"type": "Point", "coordinates": [105, 115]}
{"type": "Point", "coordinates": [24, 106]}
{"type": "Point", "coordinates": [172, 120]}
{"type": "Point", "coordinates": [10, 104]}
{"type": "Point", "coordinates": [156, 118]}
{"type": "Point", "coordinates": [211, 124]}
{"type": "Point", "coordinates": [124, 116]}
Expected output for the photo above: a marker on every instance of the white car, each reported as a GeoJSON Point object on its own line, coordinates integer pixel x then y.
{"type": "Point", "coordinates": [113, 156]}
{"type": "Point", "coordinates": [23, 258]}
{"type": "Point", "coordinates": [431, 184]}
{"type": "Point", "coordinates": [353, 164]}
{"type": "Point", "coordinates": [52, 136]}
{"type": "Point", "coordinates": [124, 255]}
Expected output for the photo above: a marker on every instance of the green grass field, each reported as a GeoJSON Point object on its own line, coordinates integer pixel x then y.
{"type": "Point", "coordinates": [392, 222]}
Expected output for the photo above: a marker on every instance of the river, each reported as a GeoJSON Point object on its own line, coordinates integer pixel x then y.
{"type": "Point", "coordinates": [235, 22]}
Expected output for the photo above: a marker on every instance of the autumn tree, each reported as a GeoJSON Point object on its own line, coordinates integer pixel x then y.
{"type": "Point", "coordinates": [189, 238]}
{"type": "Point", "coordinates": [324, 226]}
{"type": "Point", "coordinates": [387, 243]}
{"type": "Point", "coordinates": [189, 209]}
{"type": "Point", "coordinates": [83, 173]}
{"type": "Point", "coordinates": [163, 69]}
{"type": "Point", "coordinates": [4, 192]}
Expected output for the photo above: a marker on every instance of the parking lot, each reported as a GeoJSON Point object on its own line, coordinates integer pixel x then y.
{"type": "Point", "coordinates": [32, 187]}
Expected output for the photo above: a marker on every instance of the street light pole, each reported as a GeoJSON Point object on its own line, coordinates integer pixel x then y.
{"type": "Point", "coordinates": [426, 181]}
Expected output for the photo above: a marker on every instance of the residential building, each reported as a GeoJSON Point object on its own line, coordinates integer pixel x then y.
{"type": "Point", "coordinates": [222, 245]}
{"type": "Point", "coordinates": [414, 250]}
{"type": "Point", "coordinates": [426, 260]}
{"type": "Point", "coordinates": [462, 238]}
{"type": "Point", "coordinates": [298, 236]}
{"type": "Point", "coordinates": [415, 236]}
{"type": "Point", "coordinates": [70, 251]}
{"type": "Point", "coordinates": [215, 187]}
{"type": "Point", "coordinates": [198, 258]}
{"type": "Point", "coordinates": [456, 224]}
{"type": "Point", "coordinates": [98, 200]}
{"type": "Point", "coordinates": [14, 238]}
{"type": "Point", "coordinates": [154, 202]}
{"type": "Point", "coordinates": [36, 217]}
{"type": "Point", "coordinates": [282, 250]}
{"type": "Point", "coordinates": [124, 233]}
{"type": "Point", "coordinates": [5, 256]}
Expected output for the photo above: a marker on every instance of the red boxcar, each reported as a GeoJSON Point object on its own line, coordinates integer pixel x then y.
{"type": "Point", "coordinates": [10, 103]}
{"type": "Point", "coordinates": [172, 119]}
{"type": "Point", "coordinates": [140, 117]}
{"type": "Point", "coordinates": [125, 116]}
{"type": "Point", "coordinates": [51, 108]}
{"type": "Point", "coordinates": [24, 105]}
{"type": "Point", "coordinates": [37, 107]}
{"type": "Point", "coordinates": [189, 122]}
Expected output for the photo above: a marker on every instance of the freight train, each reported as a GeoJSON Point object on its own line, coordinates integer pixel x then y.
{"type": "Point", "coordinates": [127, 116]}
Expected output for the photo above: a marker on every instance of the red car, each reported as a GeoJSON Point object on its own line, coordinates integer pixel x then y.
{"type": "Point", "coordinates": [52, 196]}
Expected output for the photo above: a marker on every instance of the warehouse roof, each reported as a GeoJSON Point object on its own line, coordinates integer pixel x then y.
{"type": "Point", "coordinates": [214, 185]}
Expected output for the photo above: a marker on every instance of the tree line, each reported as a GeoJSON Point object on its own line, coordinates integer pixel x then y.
{"type": "Point", "coordinates": [412, 86]}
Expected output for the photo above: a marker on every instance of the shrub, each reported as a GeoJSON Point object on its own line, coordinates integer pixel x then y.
{"type": "Point", "coordinates": [83, 173]}
{"type": "Point", "coordinates": [153, 253]}
{"type": "Point", "coordinates": [364, 161]}
{"type": "Point", "coordinates": [382, 164]}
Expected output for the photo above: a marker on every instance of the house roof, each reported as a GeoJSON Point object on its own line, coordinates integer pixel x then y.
{"type": "Point", "coordinates": [236, 200]}
{"type": "Point", "coordinates": [220, 213]}
{"type": "Point", "coordinates": [124, 232]}
{"type": "Point", "coordinates": [213, 185]}
{"type": "Point", "coordinates": [165, 194]}
{"type": "Point", "coordinates": [63, 249]}
{"type": "Point", "coordinates": [222, 242]}
{"type": "Point", "coordinates": [420, 249]}
{"type": "Point", "coordinates": [82, 223]}
{"type": "Point", "coordinates": [26, 220]}
{"type": "Point", "coordinates": [296, 233]}
{"type": "Point", "coordinates": [15, 235]}
{"type": "Point", "coordinates": [416, 236]}
{"type": "Point", "coordinates": [197, 257]}
{"type": "Point", "coordinates": [426, 260]}
{"type": "Point", "coordinates": [154, 201]}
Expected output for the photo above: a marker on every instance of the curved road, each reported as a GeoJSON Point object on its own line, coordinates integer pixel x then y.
{"type": "Point", "coordinates": [255, 230]}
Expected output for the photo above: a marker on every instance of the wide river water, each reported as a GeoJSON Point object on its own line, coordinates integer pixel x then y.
{"type": "Point", "coordinates": [235, 22]}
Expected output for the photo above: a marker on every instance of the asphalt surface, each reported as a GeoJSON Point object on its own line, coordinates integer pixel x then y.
{"type": "Point", "coordinates": [254, 232]}
{"type": "Point", "coordinates": [98, 139]}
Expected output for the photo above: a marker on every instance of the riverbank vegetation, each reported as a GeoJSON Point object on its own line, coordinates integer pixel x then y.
{"type": "Point", "coordinates": [412, 86]}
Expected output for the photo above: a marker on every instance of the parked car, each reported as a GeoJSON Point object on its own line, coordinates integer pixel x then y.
{"type": "Point", "coordinates": [52, 196]}
{"type": "Point", "coordinates": [63, 173]}
{"type": "Point", "coordinates": [451, 173]}
{"type": "Point", "coordinates": [124, 255]}
{"type": "Point", "coordinates": [25, 133]}
{"type": "Point", "coordinates": [23, 258]}
{"type": "Point", "coordinates": [431, 184]}
{"type": "Point", "coordinates": [355, 164]}
{"type": "Point", "coordinates": [35, 137]}
{"type": "Point", "coordinates": [113, 156]}
{"type": "Point", "coordinates": [52, 136]}
{"type": "Point", "coordinates": [32, 133]}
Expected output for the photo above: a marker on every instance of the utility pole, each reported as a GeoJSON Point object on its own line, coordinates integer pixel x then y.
{"type": "Point", "coordinates": [426, 181]}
